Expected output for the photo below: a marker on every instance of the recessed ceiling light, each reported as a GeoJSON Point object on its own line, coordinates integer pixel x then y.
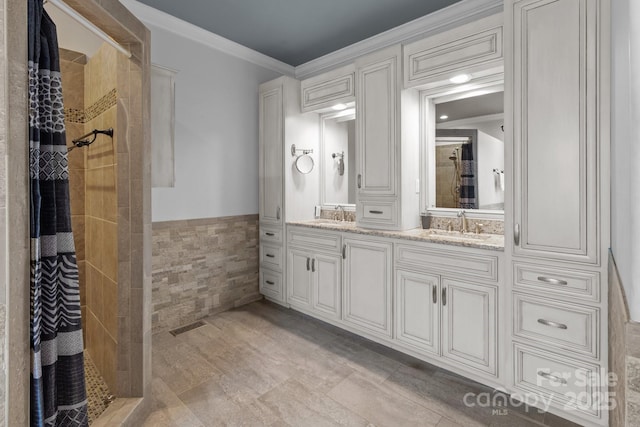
{"type": "Point", "coordinates": [339, 107]}
{"type": "Point", "coordinates": [460, 78]}
{"type": "Point", "coordinates": [444, 117]}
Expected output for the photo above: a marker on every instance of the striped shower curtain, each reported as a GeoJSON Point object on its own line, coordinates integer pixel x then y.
{"type": "Point", "coordinates": [468, 198]}
{"type": "Point", "coordinates": [58, 395]}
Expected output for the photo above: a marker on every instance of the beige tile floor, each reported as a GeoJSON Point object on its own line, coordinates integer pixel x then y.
{"type": "Point", "coordinates": [263, 365]}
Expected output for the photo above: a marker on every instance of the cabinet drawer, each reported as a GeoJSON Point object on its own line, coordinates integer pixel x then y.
{"type": "Point", "coordinates": [326, 90]}
{"type": "Point", "coordinates": [569, 383]}
{"type": "Point", "coordinates": [271, 256]}
{"type": "Point", "coordinates": [308, 238]}
{"type": "Point", "coordinates": [271, 235]}
{"type": "Point", "coordinates": [557, 281]}
{"type": "Point", "coordinates": [377, 213]}
{"type": "Point", "coordinates": [451, 262]}
{"type": "Point", "coordinates": [562, 325]}
{"type": "Point", "coordinates": [271, 284]}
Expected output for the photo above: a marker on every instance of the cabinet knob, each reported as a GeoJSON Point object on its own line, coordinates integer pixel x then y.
{"type": "Point", "coordinates": [359, 180]}
{"type": "Point", "coordinates": [313, 265]}
{"type": "Point", "coordinates": [278, 213]}
{"type": "Point", "coordinates": [516, 234]}
{"type": "Point", "coordinates": [344, 251]}
{"type": "Point", "coordinates": [434, 295]}
{"type": "Point", "coordinates": [307, 264]}
{"type": "Point", "coordinates": [444, 296]}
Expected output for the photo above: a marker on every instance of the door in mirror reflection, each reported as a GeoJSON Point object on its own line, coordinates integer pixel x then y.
{"type": "Point", "coordinates": [469, 152]}
{"type": "Point", "coordinates": [338, 158]}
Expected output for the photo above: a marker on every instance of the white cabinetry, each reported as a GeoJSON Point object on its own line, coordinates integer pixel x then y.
{"type": "Point", "coordinates": [330, 88]}
{"type": "Point", "coordinates": [314, 272]}
{"type": "Point", "coordinates": [367, 285]}
{"type": "Point", "coordinates": [281, 196]}
{"type": "Point", "coordinates": [557, 72]}
{"type": "Point", "coordinates": [475, 48]}
{"type": "Point", "coordinates": [440, 312]}
{"type": "Point", "coordinates": [387, 129]}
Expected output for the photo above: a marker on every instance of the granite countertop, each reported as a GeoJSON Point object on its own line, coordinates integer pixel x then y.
{"type": "Point", "coordinates": [470, 240]}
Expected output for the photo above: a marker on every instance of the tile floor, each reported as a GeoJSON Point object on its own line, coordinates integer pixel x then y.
{"type": "Point", "coordinates": [98, 394]}
{"type": "Point", "coordinates": [263, 365]}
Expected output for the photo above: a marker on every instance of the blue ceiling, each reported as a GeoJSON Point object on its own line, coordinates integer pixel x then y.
{"type": "Point", "coordinates": [297, 31]}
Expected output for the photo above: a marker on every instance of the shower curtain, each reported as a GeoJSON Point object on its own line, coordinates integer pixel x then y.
{"type": "Point", "coordinates": [468, 199]}
{"type": "Point", "coordinates": [58, 395]}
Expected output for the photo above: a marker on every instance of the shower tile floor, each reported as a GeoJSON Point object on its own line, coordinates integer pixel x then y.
{"type": "Point", "coordinates": [98, 393]}
{"type": "Point", "coordinates": [263, 365]}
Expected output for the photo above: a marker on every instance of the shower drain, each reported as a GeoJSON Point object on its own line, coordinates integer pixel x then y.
{"type": "Point", "coordinates": [187, 328]}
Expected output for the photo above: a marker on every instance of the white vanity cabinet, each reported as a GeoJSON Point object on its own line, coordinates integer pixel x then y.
{"type": "Point", "coordinates": [367, 285]}
{"type": "Point", "coordinates": [314, 272]}
{"type": "Point", "coordinates": [387, 131]}
{"type": "Point", "coordinates": [446, 305]}
{"type": "Point", "coordinates": [557, 92]}
{"type": "Point", "coordinates": [271, 146]}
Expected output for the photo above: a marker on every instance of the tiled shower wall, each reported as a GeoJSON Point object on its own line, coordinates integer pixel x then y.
{"type": "Point", "coordinates": [90, 103]}
{"type": "Point", "coordinates": [101, 212]}
{"type": "Point", "coordinates": [201, 267]}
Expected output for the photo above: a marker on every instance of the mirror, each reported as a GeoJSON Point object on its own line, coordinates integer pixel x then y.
{"type": "Point", "coordinates": [466, 150]}
{"type": "Point", "coordinates": [337, 158]}
{"type": "Point", "coordinates": [304, 164]}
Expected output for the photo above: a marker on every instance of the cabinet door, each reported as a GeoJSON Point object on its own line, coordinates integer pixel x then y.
{"type": "Point", "coordinates": [367, 286]}
{"type": "Point", "coordinates": [271, 152]}
{"type": "Point", "coordinates": [555, 125]}
{"type": "Point", "coordinates": [327, 276]}
{"type": "Point", "coordinates": [417, 310]}
{"type": "Point", "coordinates": [469, 321]}
{"type": "Point", "coordinates": [299, 278]}
{"type": "Point", "coordinates": [376, 122]}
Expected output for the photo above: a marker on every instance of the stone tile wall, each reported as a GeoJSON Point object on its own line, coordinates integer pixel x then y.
{"type": "Point", "coordinates": [624, 356]}
{"type": "Point", "coordinates": [201, 267]}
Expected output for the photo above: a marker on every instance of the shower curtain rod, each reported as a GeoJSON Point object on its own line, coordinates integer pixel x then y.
{"type": "Point", "coordinates": [67, 10]}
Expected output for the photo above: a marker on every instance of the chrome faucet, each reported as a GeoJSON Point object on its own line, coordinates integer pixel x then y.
{"type": "Point", "coordinates": [463, 221]}
{"type": "Point", "coordinates": [340, 210]}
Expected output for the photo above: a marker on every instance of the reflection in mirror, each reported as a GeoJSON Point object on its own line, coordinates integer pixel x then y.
{"type": "Point", "coordinates": [337, 170]}
{"type": "Point", "coordinates": [469, 151]}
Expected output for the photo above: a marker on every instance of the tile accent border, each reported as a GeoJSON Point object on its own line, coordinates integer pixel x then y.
{"type": "Point", "coordinates": [76, 115]}
{"type": "Point", "coordinates": [201, 267]}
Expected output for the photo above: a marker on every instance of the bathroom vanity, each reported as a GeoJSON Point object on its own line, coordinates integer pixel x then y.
{"type": "Point", "coordinates": [520, 307]}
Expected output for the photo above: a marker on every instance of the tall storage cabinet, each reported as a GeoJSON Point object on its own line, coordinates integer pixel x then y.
{"type": "Point", "coordinates": [387, 132]}
{"type": "Point", "coordinates": [282, 196]}
{"type": "Point", "coordinates": [557, 234]}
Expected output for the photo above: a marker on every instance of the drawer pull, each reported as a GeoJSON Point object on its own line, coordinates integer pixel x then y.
{"type": "Point", "coordinates": [444, 296]}
{"type": "Point", "coordinates": [552, 324]}
{"type": "Point", "coordinates": [270, 256]}
{"type": "Point", "coordinates": [313, 265]}
{"type": "Point", "coordinates": [307, 264]}
{"type": "Point", "coordinates": [344, 251]}
{"type": "Point", "coordinates": [552, 377]}
{"type": "Point", "coordinates": [278, 213]}
{"type": "Point", "coordinates": [359, 180]}
{"type": "Point", "coordinates": [270, 234]}
{"type": "Point", "coordinates": [269, 282]}
{"type": "Point", "coordinates": [434, 295]}
{"type": "Point", "coordinates": [553, 281]}
{"type": "Point", "coordinates": [376, 212]}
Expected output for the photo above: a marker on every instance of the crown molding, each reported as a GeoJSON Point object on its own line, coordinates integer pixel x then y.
{"type": "Point", "coordinates": [441, 20]}
{"type": "Point", "coordinates": [156, 18]}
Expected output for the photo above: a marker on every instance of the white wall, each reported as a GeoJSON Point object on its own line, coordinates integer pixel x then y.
{"type": "Point", "coordinates": [625, 148]}
{"type": "Point", "coordinates": [216, 130]}
{"type": "Point", "coordinates": [336, 140]}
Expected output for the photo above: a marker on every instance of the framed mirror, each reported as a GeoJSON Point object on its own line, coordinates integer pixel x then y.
{"type": "Point", "coordinates": [462, 161]}
{"type": "Point", "coordinates": [337, 158]}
